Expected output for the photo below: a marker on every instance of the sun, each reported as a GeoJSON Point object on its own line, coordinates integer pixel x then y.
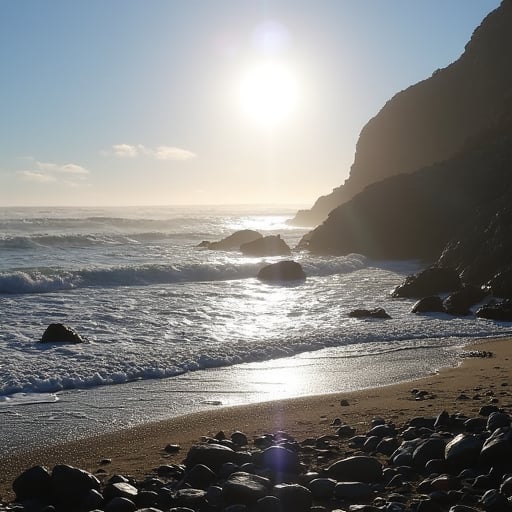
{"type": "Point", "coordinates": [268, 93]}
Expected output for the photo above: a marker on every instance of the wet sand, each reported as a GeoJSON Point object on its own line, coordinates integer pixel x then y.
{"type": "Point", "coordinates": [138, 451]}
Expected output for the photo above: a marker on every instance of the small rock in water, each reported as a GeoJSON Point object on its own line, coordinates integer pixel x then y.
{"type": "Point", "coordinates": [60, 333]}
{"type": "Point", "coordinates": [282, 271]}
{"type": "Point", "coordinates": [369, 313]}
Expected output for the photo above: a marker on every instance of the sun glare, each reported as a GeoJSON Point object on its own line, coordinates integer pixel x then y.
{"type": "Point", "coordinates": [268, 93]}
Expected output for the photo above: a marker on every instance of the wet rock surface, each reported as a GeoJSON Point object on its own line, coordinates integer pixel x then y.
{"type": "Point", "coordinates": [60, 333]}
{"type": "Point", "coordinates": [233, 241]}
{"type": "Point", "coordinates": [272, 245]}
{"type": "Point", "coordinates": [282, 271]}
{"type": "Point", "coordinates": [429, 282]}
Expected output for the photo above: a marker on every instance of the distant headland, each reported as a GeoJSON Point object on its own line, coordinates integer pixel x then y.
{"type": "Point", "coordinates": [432, 175]}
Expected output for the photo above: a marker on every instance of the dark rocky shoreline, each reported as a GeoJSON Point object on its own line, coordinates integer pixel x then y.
{"type": "Point", "coordinates": [446, 462]}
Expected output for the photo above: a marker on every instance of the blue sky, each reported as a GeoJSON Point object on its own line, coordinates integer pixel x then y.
{"type": "Point", "coordinates": [137, 102]}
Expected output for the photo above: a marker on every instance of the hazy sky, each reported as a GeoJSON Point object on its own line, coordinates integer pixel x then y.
{"type": "Point", "coordinates": [122, 102]}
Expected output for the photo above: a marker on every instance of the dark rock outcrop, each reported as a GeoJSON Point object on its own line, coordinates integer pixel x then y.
{"type": "Point", "coordinates": [458, 209]}
{"type": "Point", "coordinates": [234, 241]}
{"type": "Point", "coordinates": [501, 311]}
{"type": "Point", "coordinates": [282, 271]}
{"type": "Point", "coordinates": [267, 246]}
{"type": "Point", "coordinates": [60, 333]}
{"type": "Point", "coordinates": [431, 304]}
{"type": "Point", "coordinates": [430, 281]}
{"type": "Point", "coordinates": [501, 284]}
{"type": "Point", "coordinates": [460, 302]}
{"type": "Point", "coordinates": [481, 250]}
{"type": "Point", "coordinates": [430, 121]}
{"type": "Point", "coordinates": [418, 215]}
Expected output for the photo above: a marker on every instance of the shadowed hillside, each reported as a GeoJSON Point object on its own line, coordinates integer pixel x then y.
{"type": "Point", "coordinates": [430, 121]}
{"type": "Point", "coordinates": [459, 209]}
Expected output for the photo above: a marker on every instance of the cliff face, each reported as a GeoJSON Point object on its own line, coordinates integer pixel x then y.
{"type": "Point", "coordinates": [430, 121]}
{"type": "Point", "coordinates": [458, 211]}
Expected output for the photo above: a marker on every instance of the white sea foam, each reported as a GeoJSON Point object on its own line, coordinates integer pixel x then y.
{"type": "Point", "coordinates": [44, 280]}
{"type": "Point", "coordinates": [154, 306]}
{"type": "Point", "coordinates": [28, 399]}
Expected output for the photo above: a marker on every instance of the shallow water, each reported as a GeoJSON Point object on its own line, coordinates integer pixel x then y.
{"type": "Point", "coordinates": [158, 312]}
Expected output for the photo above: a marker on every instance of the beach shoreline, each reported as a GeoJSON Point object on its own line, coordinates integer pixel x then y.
{"type": "Point", "coordinates": [140, 450]}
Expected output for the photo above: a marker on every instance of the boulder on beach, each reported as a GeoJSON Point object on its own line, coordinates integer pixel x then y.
{"type": "Point", "coordinates": [212, 455]}
{"type": "Point", "coordinates": [282, 271]}
{"type": "Point", "coordinates": [280, 459]}
{"type": "Point", "coordinates": [359, 468]}
{"type": "Point", "coordinates": [33, 483]}
{"type": "Point", "coordinates": [71, 485]}
{"type": "Point", "coordinates": [463, 450]}
{"type": "Point", "coordinates": [60, 333]}
{"type": "Point", "coordinates": [246, 488]}
{"type": "Point", "coordinates": [293, 497]}
{"type": "Point", "coordinates": [234, 241]}
{"type": "Point", "coordinates": [267, 246]}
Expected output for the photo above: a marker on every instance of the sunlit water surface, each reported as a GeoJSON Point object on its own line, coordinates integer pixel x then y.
{"type": "Point", "coordinates": [173, 328]}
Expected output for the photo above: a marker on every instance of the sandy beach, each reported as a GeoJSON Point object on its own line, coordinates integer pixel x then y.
{"type": "Point", "coordinates": [138, 451]}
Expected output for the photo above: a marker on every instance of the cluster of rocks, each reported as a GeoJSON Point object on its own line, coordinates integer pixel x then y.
{"type": "Point", "coordinates": [448, 462]}
{"type": "Point", "coordinates": [460, 299]}
{"type": "Point", "coordinates": [250, 243]}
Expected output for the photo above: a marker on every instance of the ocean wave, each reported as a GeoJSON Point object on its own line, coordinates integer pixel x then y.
{"type": "Point", "coordinates": [334, 265]}
{"type": "Point", "coordinates": [81, 241]}
{"type": "Point", "coordinates": [46, 280]}
{"type": "Point", "coordinates": [122, 371]}
{"type": "Point", "coordinates": [64, 225]}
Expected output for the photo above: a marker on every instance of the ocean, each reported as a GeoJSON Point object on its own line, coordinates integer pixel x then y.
{"type": "Point", "coordinates": [173, 328]}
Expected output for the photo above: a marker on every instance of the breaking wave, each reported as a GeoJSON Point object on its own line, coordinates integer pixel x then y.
{"type": "Point", "coordinates": [47, 280]}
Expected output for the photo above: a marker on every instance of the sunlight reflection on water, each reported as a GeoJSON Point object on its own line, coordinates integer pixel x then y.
{"type": "Point", "coordinates": [262, 223]}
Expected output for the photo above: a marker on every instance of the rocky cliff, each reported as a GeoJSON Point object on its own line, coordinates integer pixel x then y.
{"type": "Point", "coordinates": [430, 121]}
{"type": "Point", "coordinates": [457, 211]}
